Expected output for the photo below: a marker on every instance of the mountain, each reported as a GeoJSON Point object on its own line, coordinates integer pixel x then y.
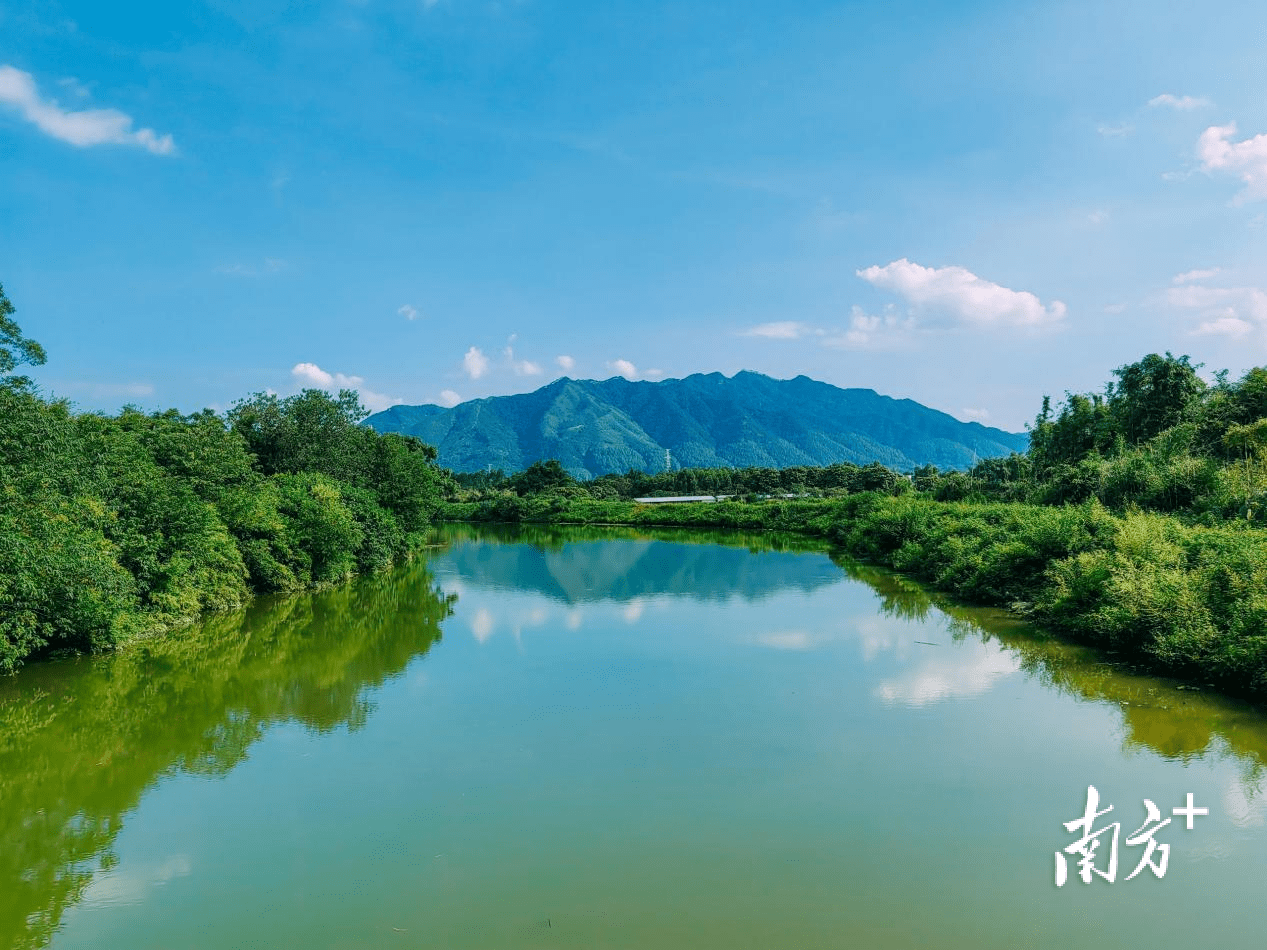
{"type": "Point", "coordinates": [596, 427]}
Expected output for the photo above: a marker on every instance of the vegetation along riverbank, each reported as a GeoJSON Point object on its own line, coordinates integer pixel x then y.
{"type": "Point", "coordinates": [115, 526]}
{"type": "Point", "coordinates": [1133, 522]}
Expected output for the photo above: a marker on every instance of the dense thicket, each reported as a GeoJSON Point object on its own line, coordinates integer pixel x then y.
{"type": "Point", "coordinates": [114, 525]}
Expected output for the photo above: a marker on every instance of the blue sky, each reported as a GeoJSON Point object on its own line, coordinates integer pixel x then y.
{"type": "Point", "coordinates": [969, 204]}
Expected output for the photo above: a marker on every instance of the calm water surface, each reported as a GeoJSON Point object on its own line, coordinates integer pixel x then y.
{"type": "Point", "coordinates": [615, 740]}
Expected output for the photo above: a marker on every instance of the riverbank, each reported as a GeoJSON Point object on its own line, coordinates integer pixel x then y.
{"type": "Point", "coordinates": [1179, 600]}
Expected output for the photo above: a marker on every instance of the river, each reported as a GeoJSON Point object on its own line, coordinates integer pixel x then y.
{"type": "Point", "coordinates": [606, 738]}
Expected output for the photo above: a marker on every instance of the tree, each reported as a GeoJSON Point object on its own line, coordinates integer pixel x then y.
{"type": "Point", "coordinates": [1153, 394]}
{"type": "Point", "coordinates": [541, 477]}
{"type": "Point", "coordinates": [15, 349]}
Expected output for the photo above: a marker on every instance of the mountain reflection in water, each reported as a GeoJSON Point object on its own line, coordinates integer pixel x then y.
{"type": "Point", "coordinates": [83, 740]}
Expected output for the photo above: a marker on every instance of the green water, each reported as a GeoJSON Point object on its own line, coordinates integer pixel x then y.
{"type": "Point", "coordinates": [609, 739]}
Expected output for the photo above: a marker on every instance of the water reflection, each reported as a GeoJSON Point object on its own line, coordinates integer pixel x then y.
{"type": "Point", "coordinates": [580, 565]}
{"type": "Point", "coordinates": [82, 740]}
{"type": "Point", "coordinates": [1158, 715]}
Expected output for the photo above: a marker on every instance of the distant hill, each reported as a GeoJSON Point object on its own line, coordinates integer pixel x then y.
{"type": "Point", "coordinates": [596, 427]}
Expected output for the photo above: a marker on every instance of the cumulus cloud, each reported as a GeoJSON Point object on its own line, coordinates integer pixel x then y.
{"type": "Point", "coordinates": [872, 331]}
{"type": "Point", "coordinates": [1222, 311]}
{"type": "Point", "coordinates": [83, 128]}
{"type": "Point", "coordinates": [520, 367]}
{"type": "Point", "coordinates": [624, 368]}
{"type": "Point", "coordinates": [1226, 325]}
{"type": "Point", "coordinates": [975, 415]}
{"type": "Point", "coordinates": [779, 330]}
{"type": "Point", "coordinates": [1182, 103]}
{"type": "Point", "coordinates": [565, 362]}
{"type": "Point", "coordinates": [449, 399]}
{"type": "Point", "coordinates": [1188, 277]}
{"type": "Point", "coordinates": [475, 363]}
{"type": "Point", "coordinates": [1246, 159]}
{"type": "Point", "coordinates": [409, 312]}
{"type": "Point", "coordinates": [313, 376]}
{"type": "Point", "coordinates": [962, 294]}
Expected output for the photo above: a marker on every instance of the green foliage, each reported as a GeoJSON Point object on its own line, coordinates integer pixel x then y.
{"type": "Point", "coordinates": [112, 526]}
{"type": "Point", "coordinates": [542, 477]}
{"type": "Point", "coordinates": [15, 349]}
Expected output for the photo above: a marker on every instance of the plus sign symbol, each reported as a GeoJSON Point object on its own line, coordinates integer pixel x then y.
{"type": "Point", "coordinates": [1190, 811]}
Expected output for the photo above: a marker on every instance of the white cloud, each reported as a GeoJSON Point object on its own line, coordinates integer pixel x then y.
{"type": "Point", "coordinates": [1188, 277]}
{"type": "Point", "coordinates": [1182, 103]}
{"type": "Point", "coordinates": [82, 129]}
{"type": "Point", "coordinates": [449, 399]}
{"type": "Point", "coordinates": [652, 373]}
{"type": "Point", "coordinates": [873, 331]}
{"type": "Point", "coordinates": [1226, 325]}
{"type": "Point", "coordinates": [409, 312]}
{"type": "Point", "coordinates": [1115, 308]}
{"type": "Point", "coordinates": [1098, 217]}
{"type": "Point", "coordinates": [624, 368]}
{"type": "Point", "coordinates": [1223, 311]}
{"type": "Point", "coordinates": [475, 363]}
{"type": "Point", "coordinates": [520, 367]}
{"type": "Point", "coordinates": [1247, 160]}
{"type": "Point", "coordinates": [779, 330]}
{"type": "Point", "coordinates": [975, 415]}
{"type": "Point", "coordinates": [313, 376]}
{"type": "Point", "coordinates": [1114, 131]}
{"type": "Point", "coordinates": [565, 362]}
{"type": "Point", "coordinates": [963, 294]}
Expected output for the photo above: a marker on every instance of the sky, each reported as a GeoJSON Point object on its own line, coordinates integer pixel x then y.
{"type": "Point", "coordinates": [969, 204]}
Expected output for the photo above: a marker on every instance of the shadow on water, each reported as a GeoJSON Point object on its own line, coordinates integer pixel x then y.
{"type": "Point", "coordinates": [82, 740]}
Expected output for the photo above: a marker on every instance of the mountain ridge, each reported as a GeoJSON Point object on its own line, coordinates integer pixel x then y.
{"type": "Point", "coordinates": [596, 427]}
